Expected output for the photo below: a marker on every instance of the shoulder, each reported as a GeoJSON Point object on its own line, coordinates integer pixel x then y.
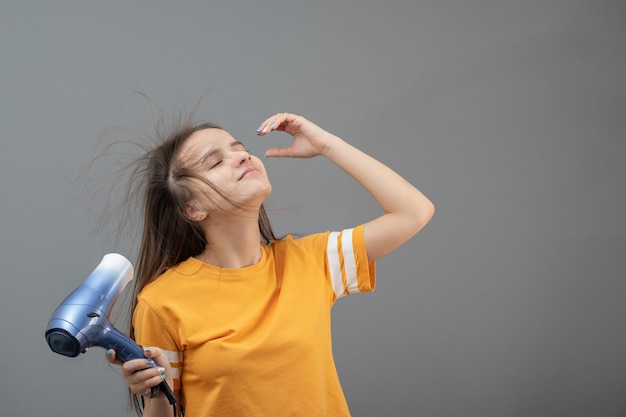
{"type": "Point", "coordinates": [171, 280]}
{"type": "Point", "coordinates": [321, 242]}
{"type": "Point", "coordinates": [291, 243]}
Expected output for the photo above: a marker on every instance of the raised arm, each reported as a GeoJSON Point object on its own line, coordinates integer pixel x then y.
{"type": "Point", "coordinates": [407, 210]}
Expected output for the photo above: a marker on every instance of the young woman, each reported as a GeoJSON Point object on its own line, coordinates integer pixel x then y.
{"type": "Point", "coordinates": [238, 326]}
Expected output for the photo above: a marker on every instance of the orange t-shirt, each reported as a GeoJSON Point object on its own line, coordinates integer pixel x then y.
{"type": "Point", "coordinates": [256, 341]}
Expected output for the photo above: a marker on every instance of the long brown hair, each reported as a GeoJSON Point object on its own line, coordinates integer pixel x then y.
{"type": "Point", "coordinates": [156, 189]}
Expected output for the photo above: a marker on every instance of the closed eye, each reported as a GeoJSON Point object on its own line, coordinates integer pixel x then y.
{"type": "Point", "coordinates": [218, 153]}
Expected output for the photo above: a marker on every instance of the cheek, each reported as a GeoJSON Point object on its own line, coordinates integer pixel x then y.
{"type": "Point", "coordinates": [220, 180]}
{"type": "Point", "coordinates": [211, 188]}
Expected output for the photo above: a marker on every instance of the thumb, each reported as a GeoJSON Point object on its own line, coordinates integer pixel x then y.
{"type": "Point", "coordinates": [157, 355]}
{"type": "Point", "coordinates": [278, 152]}
{"type": "Point", "coordinates": [111, 356]}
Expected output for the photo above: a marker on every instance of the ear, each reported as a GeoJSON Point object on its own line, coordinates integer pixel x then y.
{"type": "Point", "coordinates": [193, 213]}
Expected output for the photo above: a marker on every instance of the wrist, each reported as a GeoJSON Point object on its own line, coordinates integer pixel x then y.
{"type": "Point", "coordinates": [157, 406]}
{"type": "Point", "coordinates": [330, 147]}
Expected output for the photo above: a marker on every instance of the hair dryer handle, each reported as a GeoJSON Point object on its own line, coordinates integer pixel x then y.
{"type": "Point", "coordinates": [126, 349]}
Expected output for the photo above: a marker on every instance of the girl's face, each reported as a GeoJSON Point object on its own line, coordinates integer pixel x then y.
{"type": "Point", "coordinates": [240, 178]}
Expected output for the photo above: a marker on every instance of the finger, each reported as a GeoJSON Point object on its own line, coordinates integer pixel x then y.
{"type": "Point", "coordinates": [279, 153]}
{"type": "Point", "coordinates": [143, 386]}
{"type": "Point", "coordinates": [136, 365]}
{"type": "Point", "coordinates": [157, 356]}
{"type": "Point", "coordinates": [111, 356]}
{"type": "Point", "coordinates": [275, 122]}
{"type": "Point", "coordinates": [147, 374]}
{"type": "Point", "coordinates": [266, 127]}
{"type": "Point", "coordinates": [143, 381]}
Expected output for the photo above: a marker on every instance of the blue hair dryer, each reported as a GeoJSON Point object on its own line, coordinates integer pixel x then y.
{"type": "Point", "coordinates": [81, 321]}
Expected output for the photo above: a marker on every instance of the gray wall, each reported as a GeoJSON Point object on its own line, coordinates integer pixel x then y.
{"type": "Point", "coordinates": [509, 115]}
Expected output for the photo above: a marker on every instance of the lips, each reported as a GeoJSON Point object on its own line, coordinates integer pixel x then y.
{"type": "Point", "coordinates": [246, 172]}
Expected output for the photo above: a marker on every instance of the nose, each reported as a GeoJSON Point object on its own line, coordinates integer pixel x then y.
{"type": "Point", "coordinates": [243, 157]}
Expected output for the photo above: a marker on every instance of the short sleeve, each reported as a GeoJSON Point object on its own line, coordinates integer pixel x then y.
{"type": "Point", "coordinates": [350, 270]}
{"type": "Point", "coordinates": [150, 330]}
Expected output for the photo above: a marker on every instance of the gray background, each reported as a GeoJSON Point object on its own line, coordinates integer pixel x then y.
{"type": "Point", "coordinates": [509, 115]}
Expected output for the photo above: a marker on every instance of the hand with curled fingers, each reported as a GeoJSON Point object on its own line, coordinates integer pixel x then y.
{"type": "Point", "coordinates": [140, 374]}
{"type": "Point", "coordinates": [309, 140]}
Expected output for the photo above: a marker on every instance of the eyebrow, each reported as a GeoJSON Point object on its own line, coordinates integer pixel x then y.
{"type": "Point", "coordinates": [216, 151]}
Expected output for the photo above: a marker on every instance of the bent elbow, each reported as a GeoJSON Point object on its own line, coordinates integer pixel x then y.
{"type": "Point", "coordinates": [423, 214]}
{"type": "Point", "coordinates": [431, 210]}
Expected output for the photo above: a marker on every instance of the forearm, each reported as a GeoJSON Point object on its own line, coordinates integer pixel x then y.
{"type": "Point", "coordinates": [407, 210]}
{"type": "Point", "coordinates": [391, 191]}
{"type": "Point", "coordinates": [158, 406]}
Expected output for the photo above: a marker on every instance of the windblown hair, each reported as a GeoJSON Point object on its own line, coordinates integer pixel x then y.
{"type": "Point", "coordinates": [153, 202]}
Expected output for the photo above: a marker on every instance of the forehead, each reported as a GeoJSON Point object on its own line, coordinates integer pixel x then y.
{"type": "Point", "coordinates": [208, 137]}
{"type": "Point", "coordinates": [203, 141]}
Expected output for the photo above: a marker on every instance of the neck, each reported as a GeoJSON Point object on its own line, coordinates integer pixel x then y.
{"type": "Point", "coordinates": [232, 243]}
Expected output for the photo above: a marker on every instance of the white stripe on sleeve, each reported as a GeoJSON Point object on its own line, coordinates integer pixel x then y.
{"type": "Point", "coordinates": [173, 357]}
{"type": "Point", "coordinates": [176, 359]}
{"type": "Point", "coordinates": [334, 264]}
{"type": "Point", "coordinates": [349, 262]}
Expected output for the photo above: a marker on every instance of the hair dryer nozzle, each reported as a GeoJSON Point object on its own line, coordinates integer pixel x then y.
{"type": "Point", "coordinates": [62, 342]}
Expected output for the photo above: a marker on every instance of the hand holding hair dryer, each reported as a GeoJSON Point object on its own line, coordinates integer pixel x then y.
{"type": "Point", "coordinates": [81, 321]}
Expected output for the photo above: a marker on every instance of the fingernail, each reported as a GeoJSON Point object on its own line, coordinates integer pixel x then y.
{"type": "Point", "coordinates": [148, 350]}
{"type": "Point", "coordinates": [258, 130]}
{"type": "Point", "coordinates": [160, 370]}
{"type": "Point", "coordinates": [264, 129]}
{"type": "Point", "coordinates": [162, 376]}
{"type": "Point", "coordinates": [109, 352]}
{"type": "Point", "coordinates": [272, 126]}
{"type": "Point", "coordinates": [149, 362]}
